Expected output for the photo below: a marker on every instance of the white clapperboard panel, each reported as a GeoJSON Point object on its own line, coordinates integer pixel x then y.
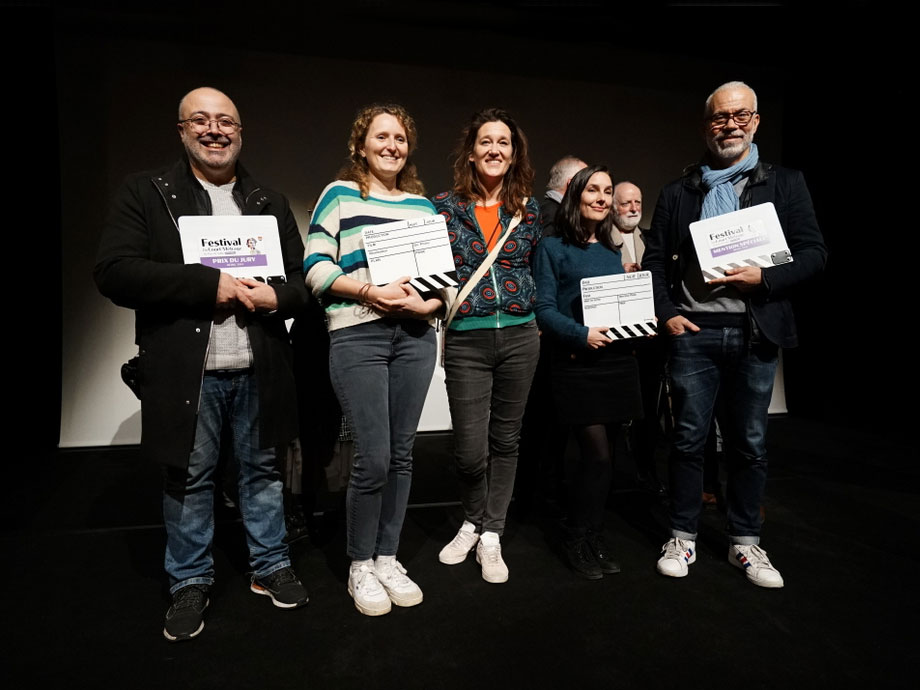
{"type": "Point", "coordinates": [749, 237]}
{"type": "Point", "coordinates": [623, 302]}
{"type": "Point", "coordinates": [243, 246]}
{"type": "Point", "coordinates": [419, 248]}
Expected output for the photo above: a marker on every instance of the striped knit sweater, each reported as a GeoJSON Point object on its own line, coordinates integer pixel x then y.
{"type": "Point", "coordinates": [335, 247]}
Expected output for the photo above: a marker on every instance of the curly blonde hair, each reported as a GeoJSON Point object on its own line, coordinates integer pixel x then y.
{"type": "Point", "coordinates": [356, 170]}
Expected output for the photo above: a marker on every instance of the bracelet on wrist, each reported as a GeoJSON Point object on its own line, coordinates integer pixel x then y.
{"type": "Point", "coordinates": [363, 292]}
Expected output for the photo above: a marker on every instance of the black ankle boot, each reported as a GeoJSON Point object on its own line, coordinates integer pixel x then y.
{"type": "Point", "coordinates": [601, 552]}
{"type": "Point", "coordinates": [581, 559]}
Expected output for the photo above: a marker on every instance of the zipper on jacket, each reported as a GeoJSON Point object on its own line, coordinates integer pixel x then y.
{"type": "Point", "coordinates": [166, 203]}
{"type": "Point", "coordinates": [207, 349]}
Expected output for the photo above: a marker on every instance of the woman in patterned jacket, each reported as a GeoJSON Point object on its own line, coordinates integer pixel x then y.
{"type": "Point", "coordinates": [382, 346]}
{"type": "Point", "coordinates": [491, 344]}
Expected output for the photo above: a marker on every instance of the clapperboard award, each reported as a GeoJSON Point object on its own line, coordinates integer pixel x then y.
{"type": "Point", "coordinates": [749, 237]}
{"type": "Point", "coordinates": [418, 247]}
{"type": "Point", "coordinates": [623, 302]}
{"type": "Point", "coordinates": [243, 246]}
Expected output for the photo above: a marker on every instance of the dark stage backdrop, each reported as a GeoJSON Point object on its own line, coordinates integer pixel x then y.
{"type": "Point", "coordinates": [118, 89]}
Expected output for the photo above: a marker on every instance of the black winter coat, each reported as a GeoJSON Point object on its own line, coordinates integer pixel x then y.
{"type": "Point", "coordinates": [140, 266]}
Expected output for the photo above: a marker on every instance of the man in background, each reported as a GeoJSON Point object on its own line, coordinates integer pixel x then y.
{"type": "Point", "coordinates": [643, 433]}
{"type": "Point", "coordinates": [560, 175]}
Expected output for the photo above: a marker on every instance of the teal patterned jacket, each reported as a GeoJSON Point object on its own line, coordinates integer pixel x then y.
{"type": "Point", "coordinates": [506, 294]}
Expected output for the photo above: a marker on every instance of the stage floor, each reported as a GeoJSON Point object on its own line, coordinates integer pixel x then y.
{"type": "Point", "coordinates": [84, 592]}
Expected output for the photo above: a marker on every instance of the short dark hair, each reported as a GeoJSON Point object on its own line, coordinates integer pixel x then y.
{"type": "Point", "coordinates": [569, 222]}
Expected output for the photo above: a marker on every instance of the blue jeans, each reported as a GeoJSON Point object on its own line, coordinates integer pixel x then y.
{"type": "Point", "coordinates": [381, 371]}
{"type": "Point", "coordinates": [488, 374]}
{"type": "Point", "coordinates": [227, 398]}
{"type": "Point", "coordinates": [718, 364]}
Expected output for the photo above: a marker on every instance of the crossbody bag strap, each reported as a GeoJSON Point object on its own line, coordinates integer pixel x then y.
{"type": "Point", "coordinates": [481, 271]}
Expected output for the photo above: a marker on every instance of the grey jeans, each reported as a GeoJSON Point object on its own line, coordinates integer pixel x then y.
{"type": "Point", "coordinates": [381, 371]}
{"type": "Point", "coordinates": [488, 374]}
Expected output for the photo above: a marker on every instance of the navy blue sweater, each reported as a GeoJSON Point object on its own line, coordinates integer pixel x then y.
{"type": "Point", "coordinates": [558, 270]}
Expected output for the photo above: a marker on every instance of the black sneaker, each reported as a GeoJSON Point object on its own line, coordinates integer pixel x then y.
{"type": "Point", "coordinates": [184, 618]}
{"type": "Point", "coordinates": [582, 559]}
{"type": "Point", "coordinates": [283, 587]}
{"type": "Point", "coordinates": [601, 552]}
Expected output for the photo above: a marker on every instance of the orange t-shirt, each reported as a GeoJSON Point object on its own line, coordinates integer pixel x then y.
{"type": "Point", "coordinates": [489, 223]}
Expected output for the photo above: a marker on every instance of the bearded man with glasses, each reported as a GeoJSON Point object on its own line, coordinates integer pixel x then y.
{"type": "Point", "coordinates": [724, 335]}
{"type": "Point", "coordinates": [214, 356]}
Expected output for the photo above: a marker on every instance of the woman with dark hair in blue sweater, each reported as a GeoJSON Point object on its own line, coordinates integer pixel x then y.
{"type": "Point", "coordinates": [595, 380]}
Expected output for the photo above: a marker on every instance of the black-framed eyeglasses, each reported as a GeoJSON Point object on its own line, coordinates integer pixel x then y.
{"type": "Point", "coordinates": [742, 118]}
{"type": "Point", "coordinates": [200, 123]}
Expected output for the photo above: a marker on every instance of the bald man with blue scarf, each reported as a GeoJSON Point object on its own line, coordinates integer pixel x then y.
{"type": "Point", "coordinates": [724, 336]}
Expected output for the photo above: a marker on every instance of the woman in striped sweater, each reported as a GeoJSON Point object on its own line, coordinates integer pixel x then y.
{"type": "Point", "coordinates": [382, 346]}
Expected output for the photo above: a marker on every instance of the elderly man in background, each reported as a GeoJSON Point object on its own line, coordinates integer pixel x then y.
{"type": "Point", "coordinates": [643, 433]}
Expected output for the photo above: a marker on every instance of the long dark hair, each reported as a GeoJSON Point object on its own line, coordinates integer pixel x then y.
{"type": "Point", "coordinates": [517, 184]}
{"type": "Point", "coordinates": [569, 223]}
{"type": "Point", "coordinates": [356, 169]}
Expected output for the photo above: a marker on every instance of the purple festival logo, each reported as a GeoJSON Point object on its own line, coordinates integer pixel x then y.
{"type": "Point", "coordinates": [736, 239]}
{"type": "Point", "coordinates": [233, 261]}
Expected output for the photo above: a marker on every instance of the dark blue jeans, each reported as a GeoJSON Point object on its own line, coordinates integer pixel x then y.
{"type": "Point", "coordinates": [488, 374]}
{"type": "Point", "coordinates": [719, 364]}
{"type": "Point", "coordinates": [229, 399]}
{"type": "Point", "coordinates": [381, 371]}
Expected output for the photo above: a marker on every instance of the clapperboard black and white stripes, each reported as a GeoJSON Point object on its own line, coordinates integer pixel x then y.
{"type": "Point", "coordinates": [749, 237]}
{"type": "Point", "coordinates": [632, 330]}
{"type": "Point", "coordinates": [623, 302]}
{"type": "Point", "coordinates": [760, 261]}
{"type": "Point", "coordinates": [418, 247]}
{"type": "Point", "coordinates": [435, 281]}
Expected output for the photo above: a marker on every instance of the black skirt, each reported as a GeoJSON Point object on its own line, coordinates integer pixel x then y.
{"type": "Point", "coordinates": [596, 386]}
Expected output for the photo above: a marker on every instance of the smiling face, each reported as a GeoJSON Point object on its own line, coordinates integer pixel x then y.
{"type": "Point", "coordinates": [596, 200]}
{"type": "Point", "coordinates": [627, 202]}
{"type": "Point", "coordinates": [385, 148]}
{"type": "Point", "coordinates": [493, 152]}
{"type": "Point", "coordinates": [730, 143]}
{"type": "Point", "coordinates": [212, 153]}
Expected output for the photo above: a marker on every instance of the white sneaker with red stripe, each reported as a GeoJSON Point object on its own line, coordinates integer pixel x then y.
{"type": "Point", "coordinates": [677, 555]}
{"type": "Point", "coordinates": [754, 562]}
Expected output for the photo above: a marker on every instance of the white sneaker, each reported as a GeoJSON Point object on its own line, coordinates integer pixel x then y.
{"type": "Point", "coordinates": [676, 557]}
{"type": "Point", "coordinates": [753, 560]}
{"type": "Point", "coordinates": [370, 597]}
{"type": "Point", "coordinates": [489, 556]}
{"type": "Point", "coordinates": [460, 546]}
{"type": "Point", "coordinates": [401, 590]}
